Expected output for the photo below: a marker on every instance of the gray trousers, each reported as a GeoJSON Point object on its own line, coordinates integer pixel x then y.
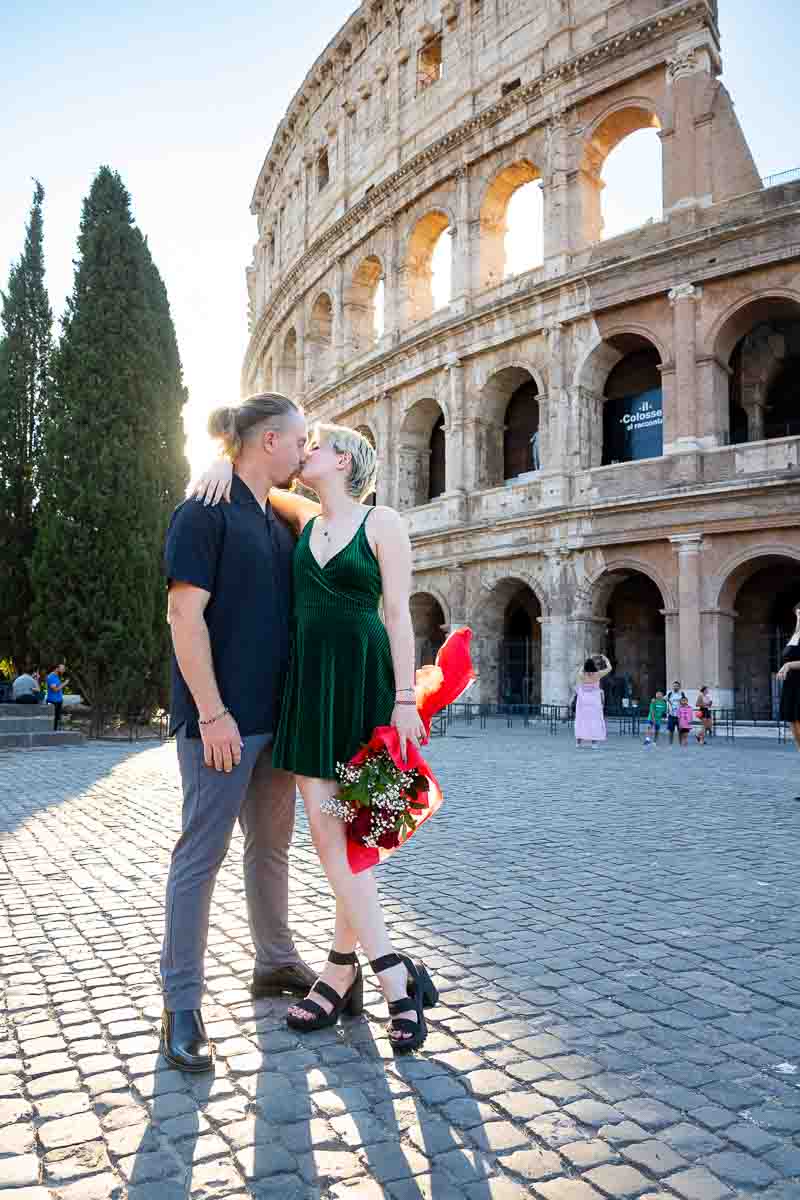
{"type": "Point", "coordinates": [262, 799]}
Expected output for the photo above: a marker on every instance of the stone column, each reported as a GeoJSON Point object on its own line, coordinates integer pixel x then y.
{"type": "Point", "coordinates": [688, 547]}
{"type": "Point", "coordinates": [683, 299]}
{"type": "Point", "coordinates": [719, 634]}
{"type": "Point", "coordinates": [386, 491]}
{"type": "Point", "coordinates": [753, 405]}
{"type": "Point", "coordinates": [454, 445]}
{"type": "Point", "coordinates": [461, 290]}
{"type": "Point", "coordinates": [391, 310]}
{"type": "Point", "coordinates": [457, 596]}
{"type": "Point", "coordinates": [687, 132]}
{"type": "Point", "coordinates": [672, 641]}
{"type": "Point", "coordinates": [338, 317]}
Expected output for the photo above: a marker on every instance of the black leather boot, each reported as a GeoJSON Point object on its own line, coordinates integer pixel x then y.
{"type": "Point", "coordinates": [184, 1041]}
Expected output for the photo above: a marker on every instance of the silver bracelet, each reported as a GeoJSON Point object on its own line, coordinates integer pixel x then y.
{"type": "Point", "coordinates": [223, 712]}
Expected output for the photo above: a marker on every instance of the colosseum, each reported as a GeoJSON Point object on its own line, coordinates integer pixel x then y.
{"type": "Point", "coordinates": [596, 448]}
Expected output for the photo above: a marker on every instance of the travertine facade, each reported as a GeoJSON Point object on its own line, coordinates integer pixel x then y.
{"type": "Point", "coordinates": [427, 116]}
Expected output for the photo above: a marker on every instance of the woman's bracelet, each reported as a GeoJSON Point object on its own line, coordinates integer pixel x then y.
{"type": "Point", "coordinates": [402, 691]}
{"type": "Point", "coordinates": [218, 716]}
{"type": "Point", "coordinates": [406, 702]}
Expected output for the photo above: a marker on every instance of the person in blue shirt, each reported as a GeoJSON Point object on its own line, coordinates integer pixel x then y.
{"type": "Point", "coordinates": [55, 692]}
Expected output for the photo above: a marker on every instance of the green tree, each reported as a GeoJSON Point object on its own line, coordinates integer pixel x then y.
{"type": "Point", "coordinates": [115, 466]}
{"type": "Point", "coordinates": [25, 364]}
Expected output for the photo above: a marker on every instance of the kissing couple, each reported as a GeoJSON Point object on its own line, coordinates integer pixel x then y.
{"type": "Point", "coordinates": [281, 668]}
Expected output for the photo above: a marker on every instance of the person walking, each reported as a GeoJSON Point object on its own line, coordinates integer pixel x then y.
{"type": "Point", "coordinates": [705, 702]}
{"type": "Point", "coordinates": [26, 688]}
{"type": "Point", "coordinates": [673, 704]}
{"type": "Point", "coordinates": [590, 725]}
{"type": "Point", "coordinates": [685, 720]}
{"type": "Point", "coordinates": [55, 692]}
{"type": "Point", "coordinates": [656, 714]}
{"type": "Point", "coordinates": [789, 677]}
{"type": "Point", "coordinates": [228, 574]}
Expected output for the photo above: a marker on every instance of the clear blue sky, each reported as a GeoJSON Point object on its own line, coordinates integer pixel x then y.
{"type": "Point", "coordinates": [183, 100]}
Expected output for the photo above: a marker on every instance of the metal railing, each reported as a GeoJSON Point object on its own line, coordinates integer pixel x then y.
{"type": "Point", "coordinates": [783, 177]}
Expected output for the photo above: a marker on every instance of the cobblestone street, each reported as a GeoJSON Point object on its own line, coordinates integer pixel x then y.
{"type": "Point", "coordinates": [615, 935]}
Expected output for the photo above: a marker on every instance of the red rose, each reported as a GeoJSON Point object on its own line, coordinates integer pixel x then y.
{"type": "Point", "coordinates": [361, 824]}
{"type": "Point", "coordinates": [389, 840]}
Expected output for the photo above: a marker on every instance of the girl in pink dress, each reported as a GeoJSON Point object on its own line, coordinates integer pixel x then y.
{"type": "Point", "coordinates": [590, 725]}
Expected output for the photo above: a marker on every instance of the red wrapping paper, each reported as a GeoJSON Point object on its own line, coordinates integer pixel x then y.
{"type": "Point", "coordinates": [436, 687]}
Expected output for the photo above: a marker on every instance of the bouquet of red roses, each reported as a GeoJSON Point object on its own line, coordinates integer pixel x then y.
{"type": "Point", "coordinates": [382, 799]}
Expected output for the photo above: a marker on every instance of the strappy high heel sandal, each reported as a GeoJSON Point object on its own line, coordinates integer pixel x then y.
{"type": "Point", "coordinates": [421, 994]}
{"type": "Point", "coordinates": [352, 1002]}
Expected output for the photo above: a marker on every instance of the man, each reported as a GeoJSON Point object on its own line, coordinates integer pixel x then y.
{"type": "Point", "coordinates": [229, 577]}
{"type": "Point", "coordinates": [55, 693]}
{"type": "Point", "coordinates": [673, 704]}
{"type": "Point", "coordinates": [26, 688]}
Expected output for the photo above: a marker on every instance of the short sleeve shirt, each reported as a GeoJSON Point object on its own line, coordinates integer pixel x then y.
{"type": "Point", "coordinates": [54, 692]}
{"type": "Point", "coordinates": [242, 555]}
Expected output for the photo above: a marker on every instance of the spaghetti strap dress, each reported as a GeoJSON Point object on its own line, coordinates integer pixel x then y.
{"type": "Point", "coordinates": [590, 724]}
{"type": "Point", "coordinates": [790, 690]}
{"type": "Point", "coordinates": [340, 682]}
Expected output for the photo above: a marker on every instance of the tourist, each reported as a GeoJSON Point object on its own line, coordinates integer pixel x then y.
{"type": "Point", "coordinates": [704, 704]}
{"type": "Point", "coordinates": [657, 713]}
{"type": "Point", "coordinates": [349, 556]}
{"type": "Point", "coordinates": [26, 688]}
{"type": "Point", "coordinates": [55, 692]}
{"type": "Point", "coordinates": [673, 704]}
{"type": "Point", "coordinates": [685, 720]}
{"type": "Point", "coordinates": [590, 725]}
{"type": "Point", "coordinates": [789, 677]}
{"type": "Point", "coordinates": [229, 578]}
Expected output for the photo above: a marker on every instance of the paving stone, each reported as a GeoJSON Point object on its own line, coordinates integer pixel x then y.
{"type": "Point", "coordinates": [69, 1131]}
{"type": "Point", "coordinates": [618, 1181]}
{"type": "Point", "coordinates": [533, 1163]}
{"type": "Point", "coordinates": [655, 1157]}
{"type": "Point", "coordinates": [131, 1139]}
{"type": "Point", "coordinates": [567, 1189]}
{"type": "Point", "coordinates": [698, 1184]}
{"type": "Point", "coordinates": [591, 1153]}
{"type": "Point", "coordinates": [255, 1162]}
{"type": "Point", "coordinates": [19, 1171]}
{"type": "Point", "coordinates": [741, 1170]}
{"type": "Point", "coordinates": [94, 1187]}
{"type": "Point", "coordinates": [75, 1162]}
{"type": "Point", "coordinates": [145, 1168]}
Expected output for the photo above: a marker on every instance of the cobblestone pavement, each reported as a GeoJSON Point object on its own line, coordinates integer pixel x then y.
{"type": "Point", "coordinates": [615, 934]}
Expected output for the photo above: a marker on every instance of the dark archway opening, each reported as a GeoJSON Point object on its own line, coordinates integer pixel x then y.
{"type": "Point", "coordinates": [764, 624]}
{"type": "Point", "coordinates": [428, 622]}
{"type": "Point", "coordinates": [436, 478]}
{"type": "Point", "coordinates": [633, 410]}
{"type": "Point", "coordinates": [636, 640]}
{"type": "Point", "coordinates": [521, 432]}
{"type": "Point", "coordinates": [520, 676]}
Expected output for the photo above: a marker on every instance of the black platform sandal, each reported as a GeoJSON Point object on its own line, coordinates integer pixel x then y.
{"type": "Point", "coordinates": [422, 994]}
{"type": "Point", "coordinates": [352, 1002]}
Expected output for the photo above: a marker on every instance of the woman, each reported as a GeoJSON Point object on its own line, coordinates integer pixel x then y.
{"type": "Point", "coordinates": [590, 723]}
{"type": "Point", "coordinates": [789, 676]}
{"type": "Point", "coordinates": [349, 672]}
{"type": "Point", "coordinates": [704, 704]}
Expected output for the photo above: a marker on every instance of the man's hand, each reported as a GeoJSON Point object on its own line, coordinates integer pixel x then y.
{"type": "Point", "coordinates": [222, 744]}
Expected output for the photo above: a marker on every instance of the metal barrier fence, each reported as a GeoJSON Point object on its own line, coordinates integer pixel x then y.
{"type": "Point", "coordinates": [630, 722]}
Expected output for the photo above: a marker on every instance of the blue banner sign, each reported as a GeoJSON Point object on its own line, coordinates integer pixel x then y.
{"type": "Point", "coordinates": [633, 427]}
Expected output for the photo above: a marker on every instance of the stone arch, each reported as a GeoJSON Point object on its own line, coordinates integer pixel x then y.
{"type": "Point", "coordinates": [511, 393]}
{"type": "Point", "coordinates": [364, 304]}
{"type": "Point", "coordinates": [421, 446]}
{"type": "Point", "coordinates": [629, 599]}
{"type": "Point", "coordinates": [757, 590]}
{"type": "Point", "coordinates": [290, 366]}
{"type": "Point", "coordinates": [628, 565]}
{"type": "Point", "coordinates": [367, 432]}
{"type": "Point", "coordinates": [319, 339]}
{"type": "Point", "coordinates": [418, 295]}
{"type": "Point", "coordinates": [509, 636]}
{"type": "Point", "coordinates": [493, 219]}
{"type": "Point", "coordinates": [609, 130]}
{"type": "Point", "coordinates": [758, 340]}
{"type": "Point", "coordinates": [619, 397]}
{"type": "Point", "coordinates": [266, 375]}
{"type": "Point", "coordinates": [429, 619]}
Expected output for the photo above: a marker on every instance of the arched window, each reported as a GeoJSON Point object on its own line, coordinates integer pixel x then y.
{"type": "Point", "coordinates": [289, 364]}
{"type": "Point", "coordinates": [521, 434]}
{"type": "Point", "coordinates": [632, 413]}
{"type": "Point", "coordinates": [436, 479]}
{"type": "Point", "coordinates": [621, 179]}
{"type": "Point", "coordinates": [365, 305]}
{"type": "Point", "coordinates": [511, 224]}
{"type": "Point", "coordinates": [319, 341]}
{"type": "Point", "coordinates": [323, 171]}
{"type": "Point", "coordinates": [421, 454]}
{"type": "Point", "coordinates": [428, 274]}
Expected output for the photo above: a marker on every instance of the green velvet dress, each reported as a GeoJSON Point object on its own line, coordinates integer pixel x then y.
{"type": "Point", "coordinates": [340, 684]}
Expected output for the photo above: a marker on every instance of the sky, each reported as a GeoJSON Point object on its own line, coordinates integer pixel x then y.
{"type": "Point", "coordinates": [183, 101]}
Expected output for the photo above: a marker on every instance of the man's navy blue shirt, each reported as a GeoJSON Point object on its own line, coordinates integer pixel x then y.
{"type": "Point", "coordinates": [242, 555]}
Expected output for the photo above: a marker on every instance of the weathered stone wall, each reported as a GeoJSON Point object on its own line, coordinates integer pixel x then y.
{"type": "Point", "coordinates": [376, 159]}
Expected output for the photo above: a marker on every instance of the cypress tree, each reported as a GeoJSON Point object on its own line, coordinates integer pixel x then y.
{"type": "Point", "coordinates": [25, 363]}
{"type": "Point", "coordinates": [114, 466]}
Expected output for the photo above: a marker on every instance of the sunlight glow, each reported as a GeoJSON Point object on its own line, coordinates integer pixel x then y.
{"type": "Point", "coordinates": [524, 240]}
{"type": "Point", "coordinates": [442, 270]}
{"type": "Point", "coordinates": [632, 175]}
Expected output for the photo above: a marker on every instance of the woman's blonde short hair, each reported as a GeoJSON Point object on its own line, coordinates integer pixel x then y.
{"type": "Point", "coordinates": [364, 466]}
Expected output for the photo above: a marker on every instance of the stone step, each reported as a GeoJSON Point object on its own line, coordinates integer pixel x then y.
{"type": "Point", "coordinates": [41, 741]}
{"type": "Point", "coordinates": [15, 710]}
{"type": "Point", "coordinates": [23, 722]}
